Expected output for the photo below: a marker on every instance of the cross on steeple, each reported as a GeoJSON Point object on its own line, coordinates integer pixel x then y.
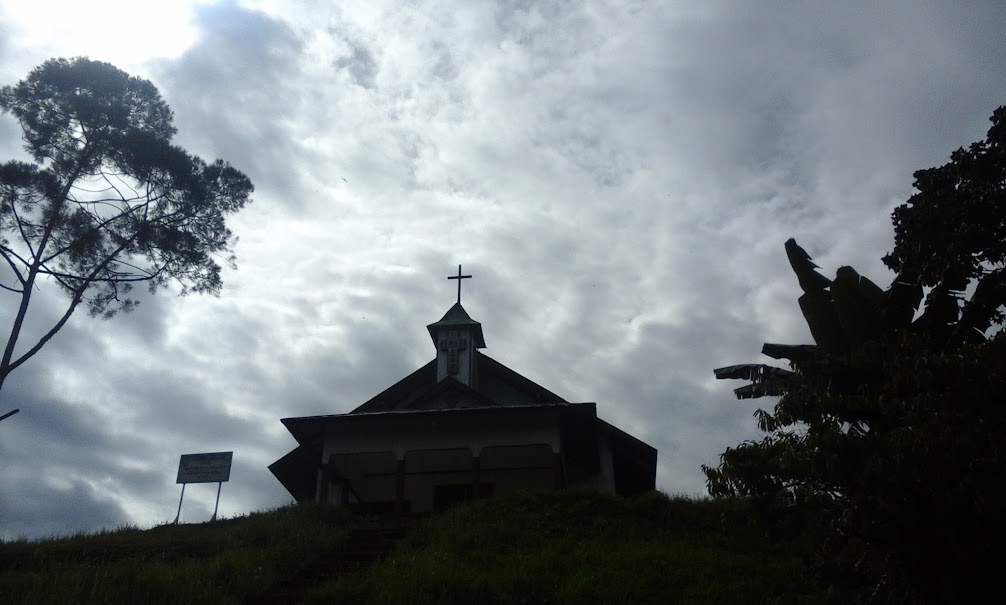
{"type": "Point", "coordinates": [459, 277]}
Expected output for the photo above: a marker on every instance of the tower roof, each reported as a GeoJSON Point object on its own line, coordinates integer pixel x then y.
{"type": "Point", "coordinates": [457, 317]}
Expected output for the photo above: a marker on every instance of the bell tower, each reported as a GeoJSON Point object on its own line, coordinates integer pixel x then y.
{"type": "Point", "coordinates": [456, 337]}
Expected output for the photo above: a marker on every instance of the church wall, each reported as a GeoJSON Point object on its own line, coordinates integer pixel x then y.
{"type": "Point", "coordinates": [371, 474]}
{"type": "Point", "coordinates": [433, 458]}
{"type": "Point", "coordinates": [517, 456]}
{"type": "Point", "coordinates": [506, 482]}
{"type": "Point", "coordinates": [516, 453]}
{"type": "Point", "coordinates": [319, 489]}
{"type": "Point", "coordinates": [425, 469]}
{"type": "Point", "coordinates": [604, 479]}
{"type": "Point", "coordinates": [512, 469]}
{"type": "Point", "coordinates": [401, 433]}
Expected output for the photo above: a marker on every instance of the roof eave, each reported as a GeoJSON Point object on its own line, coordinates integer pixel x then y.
{"type": "Point", "coordinates": [307, 430]}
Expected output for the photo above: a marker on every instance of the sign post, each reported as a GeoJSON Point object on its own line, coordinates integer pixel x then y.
{"type": "Point", "coordinates": [214, 467]}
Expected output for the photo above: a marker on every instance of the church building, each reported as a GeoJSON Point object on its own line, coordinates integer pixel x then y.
{"type": "Point", "coordinates": [462, 427]}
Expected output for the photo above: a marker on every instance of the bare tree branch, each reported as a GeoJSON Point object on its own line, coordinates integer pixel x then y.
{"type": "Point", "coordinates": [7, 253]}
{"type": "Point", "coordinates": [77, 297]}
{"type": "Point", "coordinates": [20, 227]}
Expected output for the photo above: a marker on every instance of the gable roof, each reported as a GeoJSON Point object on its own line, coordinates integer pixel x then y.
{"type": "Point", "coordinates": [449, 393]}
{"type": "Point", "coordinates": [497, 385]}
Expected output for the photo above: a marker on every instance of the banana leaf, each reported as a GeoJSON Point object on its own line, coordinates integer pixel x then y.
{"type": "Point", "coordinates": [858, 304]}
{"type": "Point", "coordinates": [766, 380]}
{"type": "Point", "coordinates": [902, 301]}
{"type": "Point", "coordinates": [796, 354]}
{"type": "Point", "coordinates": [819, 313]}
{"type": "Point", "coordinates": [805, 269]}
{"type": "Point", "coordinates": [941, 315]}
{"type": "Point", "coordinates": [750, 371]}
{"type": "Point", "coordinates": [984, 308]}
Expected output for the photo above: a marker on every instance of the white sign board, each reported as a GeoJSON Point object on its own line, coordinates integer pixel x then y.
{"type": "Point", "coordinates": [205, 468]}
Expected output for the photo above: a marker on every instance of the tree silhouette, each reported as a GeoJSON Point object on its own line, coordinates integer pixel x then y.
{"type": "Point", "coordinates": [108, 202]}
{"type": "Point", "coordinates": [888, 434]}
{"type": "Point", "coordinates": [952, 234]}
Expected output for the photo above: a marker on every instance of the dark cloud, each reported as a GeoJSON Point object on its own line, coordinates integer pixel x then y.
{"type": "Point", "coordinates": [34, 507]}
{"type": "Point", "coordinates": [54, 454]}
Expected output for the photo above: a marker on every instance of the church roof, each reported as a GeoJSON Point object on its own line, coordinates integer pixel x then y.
{"type": "Point", "coordinates": [497, 386]}
{"type": "Point", "coordinates": [457, 316]}
{"type": "Point", "coordinates": [309, 431]}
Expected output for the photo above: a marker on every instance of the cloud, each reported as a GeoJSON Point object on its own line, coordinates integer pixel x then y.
{"type": "Point", "coordinates": [618, 177]}
{"type": "Point", "coordinates": [361, 66]}
{"type": "Point", "coordinates": [232, 91]}
{"type": "Point", "coordinates": [59, 464]}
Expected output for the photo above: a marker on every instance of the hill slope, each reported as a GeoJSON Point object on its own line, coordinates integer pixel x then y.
{"type": "Point", "coordinates": [565, 547]}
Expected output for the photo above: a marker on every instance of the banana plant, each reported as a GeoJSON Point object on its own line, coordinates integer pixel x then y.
{"type": "Point", "coordinates": [844, 315]}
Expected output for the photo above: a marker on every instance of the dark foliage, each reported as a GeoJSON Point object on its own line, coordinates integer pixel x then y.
{"type": "Point", "coordinates": [108, 201]}
{"type": "Point", "coordinates": [903, 475]}
{"type": "Point", "coordinates": [888, 437]}
{"type": "Point", "coordinates": [952, 233]}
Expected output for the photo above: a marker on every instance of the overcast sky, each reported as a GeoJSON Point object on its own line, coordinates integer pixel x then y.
{"type": "Point", "coordinates": [619, 177]}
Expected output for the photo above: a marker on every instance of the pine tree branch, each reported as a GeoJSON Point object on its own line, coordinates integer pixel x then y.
{"type": "Point", "coordinates": [102, 225]}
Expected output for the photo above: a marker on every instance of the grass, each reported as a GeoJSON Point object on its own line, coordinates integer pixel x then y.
{"type": "Point", "coordinates": [564, 547]}
{"type": "Point", "coordinates": [571, 547]}
{"type": "Point", "coordinates": [224, 562]}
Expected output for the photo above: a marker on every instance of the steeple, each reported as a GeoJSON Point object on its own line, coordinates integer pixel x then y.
{"type": "Point", "coordinates": [456, 337]}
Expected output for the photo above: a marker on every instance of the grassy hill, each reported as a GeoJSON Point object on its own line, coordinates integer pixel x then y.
{"type": "Point", "coordinates": [565, 547]}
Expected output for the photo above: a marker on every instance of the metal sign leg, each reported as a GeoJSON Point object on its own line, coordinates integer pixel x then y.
{"type": "Point", "coordinates": [217, 506]}
{"type": "Point", "coordinates": [180, 505]}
